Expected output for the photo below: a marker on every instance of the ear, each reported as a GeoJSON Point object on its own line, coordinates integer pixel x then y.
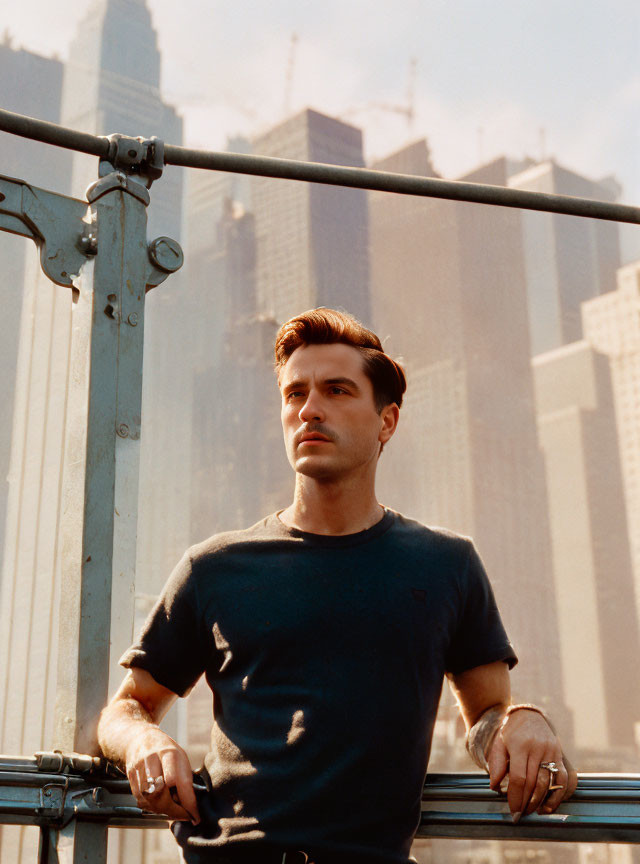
{"type": "Point", "coordinates": [389, 416]}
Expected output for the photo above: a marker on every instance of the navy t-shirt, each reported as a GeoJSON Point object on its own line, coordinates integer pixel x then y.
{"type": "Point", "coordinates": [326, 656]}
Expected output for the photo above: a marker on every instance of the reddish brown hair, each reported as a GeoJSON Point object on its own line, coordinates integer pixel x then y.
{"type": "Point", "coordinates": [324, 326]}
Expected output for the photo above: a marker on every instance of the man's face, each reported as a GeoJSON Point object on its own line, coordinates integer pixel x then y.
{"type": "Point", "coordinates": [329, 418]}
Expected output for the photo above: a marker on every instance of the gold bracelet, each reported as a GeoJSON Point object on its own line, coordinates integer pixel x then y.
{"type": "Point", "coordinates": [482, 734]}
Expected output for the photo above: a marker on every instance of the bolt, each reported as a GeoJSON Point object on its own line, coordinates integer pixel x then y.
{"type": "Point", "coordinates": [123, 430]}
{"type": "Point", "coordinates": [133, 319]}
{"type": "Point", "coordinates": [166, 254]}
{"type": "Point", "coordinates": [133, 153]}
{"type": "Point", "coordinates": [89, 243]}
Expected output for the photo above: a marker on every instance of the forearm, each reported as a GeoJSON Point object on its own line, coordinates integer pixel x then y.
{"type": "Point", "coordinates": [121, 722]}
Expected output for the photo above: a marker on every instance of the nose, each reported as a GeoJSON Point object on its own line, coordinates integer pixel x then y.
{"type": "Point", "coordinates": [312, 408]}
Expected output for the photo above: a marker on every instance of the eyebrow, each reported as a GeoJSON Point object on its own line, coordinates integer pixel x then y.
{"type": "Point", "coordinates": [330, 382]}
{"type": "Point", "coordinates": [348, 382]}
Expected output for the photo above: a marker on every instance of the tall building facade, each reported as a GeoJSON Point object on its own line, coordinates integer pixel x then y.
{"type": "Point", "coordinates": [449, 297]}
{"type": "Point", "coordinates": [110, 84]}
{"type": "Point", "coordinates": [32, 85]}
{"type": "Point", "coordinates": [612, 326]}
{"type": "Point", "coordinates": [567, 260]}
{"type": "Point", "coordinates": [312, 239]}
{"type": "Point", "coordinates": [592, 569]}
{"type": "Point", "coordinates": [239, 469]}
{"type": "Point", "coordinates": [28, 591]}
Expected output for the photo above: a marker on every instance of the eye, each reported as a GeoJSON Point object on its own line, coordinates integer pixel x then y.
{"type": "Point", "coordinates": [337, 391]}
{"type": "Point", "coordinates": [292, 395]}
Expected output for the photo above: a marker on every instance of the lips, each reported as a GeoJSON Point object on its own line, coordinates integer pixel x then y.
{"type": "Point", "coordinates": [313, 436]}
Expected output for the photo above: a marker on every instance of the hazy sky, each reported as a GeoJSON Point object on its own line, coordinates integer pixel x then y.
{"type": "Point", "coordinates": [490, 74]}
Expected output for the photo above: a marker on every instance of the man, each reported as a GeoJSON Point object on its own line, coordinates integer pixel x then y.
{"type": "Point", "coordinates": [324, 632]}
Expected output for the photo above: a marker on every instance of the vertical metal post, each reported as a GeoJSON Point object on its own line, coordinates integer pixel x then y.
{"type": "Point", "coordinates": [102, 453]}
{"type": "Point", "coordinates": [101, 469]}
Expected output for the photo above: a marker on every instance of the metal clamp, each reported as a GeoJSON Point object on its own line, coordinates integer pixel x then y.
{"type": "Point", "coordinates": [135, 157]}
{"type": "Point", "coordinates": [57, 762]}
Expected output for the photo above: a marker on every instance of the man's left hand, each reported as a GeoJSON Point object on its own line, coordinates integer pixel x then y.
{"type": "Point", "coordinates": [519, 750]}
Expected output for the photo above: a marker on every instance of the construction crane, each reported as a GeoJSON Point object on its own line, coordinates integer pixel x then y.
{"type": "Point", "coordinates": [288, 81]}
{"type": "Point", "coordinates": [407, 110]}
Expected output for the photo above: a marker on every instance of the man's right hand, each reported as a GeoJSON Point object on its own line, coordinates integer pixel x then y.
{"type": "Point", "coordinates": [158, 769]}
{"type": "Point", "coordinates": [156, 766]}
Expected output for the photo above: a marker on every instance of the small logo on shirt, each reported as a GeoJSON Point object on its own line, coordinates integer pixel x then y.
{"type": "Point", "coordinates": [419, 595]}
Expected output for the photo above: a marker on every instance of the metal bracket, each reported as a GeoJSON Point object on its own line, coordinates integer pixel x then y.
{"type": "Point", "coordinates": [54, 222]}
{"type": "Point", "coordinates": [65, 232]}
{"type": "Point", "coordinates": [53, 802]}
{"type": "Point", "coordinates": [142, 158]}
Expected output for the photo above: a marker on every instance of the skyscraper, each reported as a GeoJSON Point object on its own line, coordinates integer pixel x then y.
{"type": "Point", "coordinates": [567, 260]}
{"type": "Point", "coordinates": [612, 326]}
{"type": "Point", "coordinates": [112, 84]}
{"type": "Point", "coordinates": [312, 240]}
{"type": "Point", "coordinates": [593, 576]}
{"type": "Point", "coordinates": [449, 293]}
{"type": "Point", "coordinates": [239, 469]}
{"type": "Point", "coordinates": [31, 85]}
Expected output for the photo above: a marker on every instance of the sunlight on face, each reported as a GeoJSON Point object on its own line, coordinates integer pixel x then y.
{"type": "Point", "coordinates": [329, 418]}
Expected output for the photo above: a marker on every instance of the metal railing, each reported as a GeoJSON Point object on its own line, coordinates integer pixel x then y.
{"type": "Point", "coordinates": [317, 172]}
{"type": "Point", "coordinates": [49, 790]}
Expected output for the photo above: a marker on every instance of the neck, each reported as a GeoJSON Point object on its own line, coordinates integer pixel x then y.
{"type": "Point", "coordinates": [331, 507]}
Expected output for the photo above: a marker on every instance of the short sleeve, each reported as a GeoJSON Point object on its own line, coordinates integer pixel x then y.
{"type": "Point", "coordinates": [479, 637]}
{"type": "Point", "coordinates": [169, 646]}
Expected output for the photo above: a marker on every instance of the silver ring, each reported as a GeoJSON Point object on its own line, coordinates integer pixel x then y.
{"type": "Point", "coordinates": [551, 767]}
{"type": "Point", "coordinates": [152, 782]}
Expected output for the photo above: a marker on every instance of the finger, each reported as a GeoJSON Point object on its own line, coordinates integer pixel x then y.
{"type": "Point", "coordinates": [132, 774]}
{"type": "Point", "coordinates": [555, 797]}
{"type": "Point", "coordinates": [154, 778]}
{"type": "Point", "coordinates": [498, 763]}
{"type": "Point", "coordinates": [531, 784]}
{"type": "Point", "coordinates": [166, 805]}
{"type": "Point", "coordinates": [141, 782]}
{"type": "Point", "coordinates": [541, 790]}
{"type": "Point", "coordinates": [178, 774]}
{"type": "Point", "coordinates": [572, 782]}
{"type": "Point", "coordinates": [517, 783]}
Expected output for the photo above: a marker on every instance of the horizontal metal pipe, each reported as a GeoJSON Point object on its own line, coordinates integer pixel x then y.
{"type": "Point", "coordinates": [52, 133]}
{"type": "Point", "coordinates": [404, 184]}
{"type": "Point", "coordinates": [334, 175]}
{"type": "Point", "coordinates": [603, 809]}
